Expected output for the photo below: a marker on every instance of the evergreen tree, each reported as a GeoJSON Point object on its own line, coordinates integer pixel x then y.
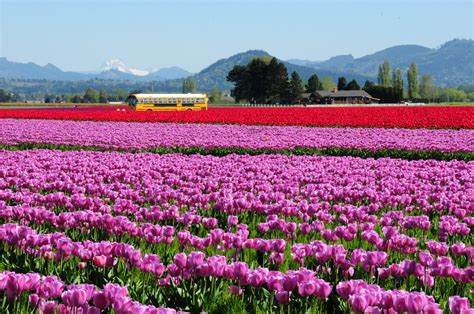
{"type": "Point", "coordinates": [385, 94]}
{"type": "Point", "coordinates": [341, 83]}
{"type": "Point", "coordinates": [295, 88]}
{"type": "Point", "coordinates": [413, 86]}
{"type": "Point", "coordinates": [352, 85]}
{"type": "Point", "coordinates": [368, 85]}
{"type": "Point", "coordinates": [384, 74]}
{"type": "Point", "coordinates": [257, 76]}
{"type": "Point", "coordinates": [313, 84]}
{"type": "Point", "coordinates": [260, 81]}
{"type": "Point", "coordinates": [238, 75]}
{"type": "Point", "coordinates": [276, 81]}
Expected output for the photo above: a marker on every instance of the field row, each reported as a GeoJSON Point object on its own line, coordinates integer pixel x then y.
{"type": "Point", "coordinates": [386, 117]}
{"type": "Point", "coordinates": [202, 138]}
{"type": "Point", "coordinates": [200, 232]}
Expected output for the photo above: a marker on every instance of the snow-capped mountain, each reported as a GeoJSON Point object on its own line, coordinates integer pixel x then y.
{"type": "Point", "coordinates": [118, 65]}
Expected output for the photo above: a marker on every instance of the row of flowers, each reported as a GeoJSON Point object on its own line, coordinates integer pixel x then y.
{"type": "Point", "coordinates": [150, 135]}
{"type": "Point", "coordinates": [408, 117]}
{"type": "Point", "coordinates": [59, 247]}
{"type": "Point", "coordinates": [44, 293]}
{"type": "Point", "coordinates": [393, 240]}
{"type": "Point", "coordinates": [303, 186]}
{"type": "Point", "coordinates": [51, 295]}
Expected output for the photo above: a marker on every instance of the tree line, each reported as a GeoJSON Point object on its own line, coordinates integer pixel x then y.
{"type": "Point", "coordinates": [265, 80]}
{"type": "Point", "coordinates": [90, 95]}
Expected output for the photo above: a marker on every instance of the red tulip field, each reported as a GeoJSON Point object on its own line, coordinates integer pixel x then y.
{"type": "Point", "coordinates": [403, 117]}
{"type": "Point", "coordinates": [278, 210]}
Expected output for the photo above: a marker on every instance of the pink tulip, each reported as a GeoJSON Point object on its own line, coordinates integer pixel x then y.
{"type": "Point", "coordinates": [100, 260]}
{"type": "Point", "coordinates": [82, 265]}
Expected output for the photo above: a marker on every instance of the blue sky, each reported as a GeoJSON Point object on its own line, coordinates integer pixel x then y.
{"type": "Point", "coordinates": [81, 35]}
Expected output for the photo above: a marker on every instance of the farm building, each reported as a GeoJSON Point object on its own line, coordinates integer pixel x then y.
{"type": "Point", "coordinates": [339, 97]}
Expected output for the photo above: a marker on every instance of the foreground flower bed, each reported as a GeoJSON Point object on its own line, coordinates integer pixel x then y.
{"type": "Point", "coordinates": [291, 233]}
{"type": "Point", "coordinates": [123, 135]}
{"type": "Point", "coordinates": [398, 117]}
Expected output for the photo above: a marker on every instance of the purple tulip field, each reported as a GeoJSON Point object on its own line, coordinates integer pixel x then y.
{"type": "Point", "coordinates": [131, 135]}
{"type": "Point", "coordinates": [121, 231]}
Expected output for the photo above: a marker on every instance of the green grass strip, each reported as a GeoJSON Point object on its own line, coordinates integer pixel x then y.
{"type": "Point", "coordinates": [224, 151]}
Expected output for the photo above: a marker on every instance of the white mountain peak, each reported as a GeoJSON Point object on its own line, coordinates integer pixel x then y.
{"type": "Point", "coordinates": [119, 65]}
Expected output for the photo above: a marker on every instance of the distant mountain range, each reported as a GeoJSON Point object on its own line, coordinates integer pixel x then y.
{"type": "Point", "coordinates": [215, 74]}
{"type": "Point", "coordinates": [114, 69]}
{"type": "Point", "coordinates": [451, 64]}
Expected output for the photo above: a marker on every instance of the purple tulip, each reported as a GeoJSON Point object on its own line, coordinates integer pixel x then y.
{"type": "Point", "coordinates": [101, 301]}
{"type": "Point", "coordinates": [240, 269]}
{"type": "Point", "coordinates": [416, 302]}
{"type": "Point", "coordinates": [48, 307]}
{"type": "Point", "coordinates": [290, 282]}
{"type": "Point", "coordinates": [232, 220]}
{"type": "Point", "coordinates": [196, 258]}
{"type": "Point", "coordinates": [283, 297]}
{"type": "Point", "coordinates": [307, 288]}
{"type": "Point", "coordinates": [180, 260]}
{"type": "Point", "coordinates": [358, 302]}
{"type": "Point", "coordinates": [233, 289]}
{"type": "Point", "coordinates": [457, 304]}
{"type": "Point", "coordinates": [33, 300]}
{"type": "Point", "coordinates": [78, 297]}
